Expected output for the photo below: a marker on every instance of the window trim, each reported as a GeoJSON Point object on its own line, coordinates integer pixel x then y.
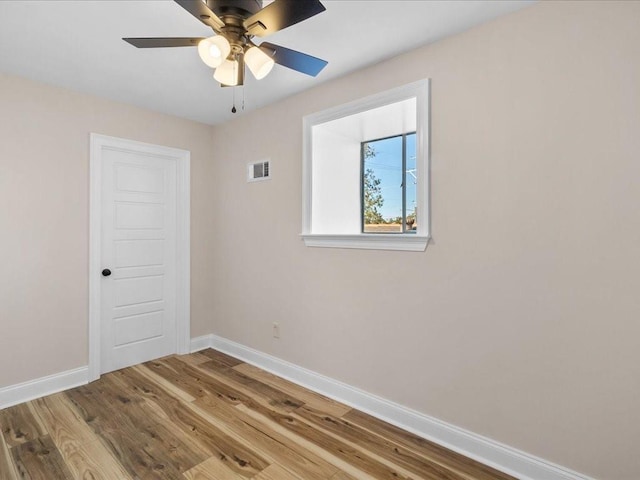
{"type": "Point", "coordinates": [418, 241]}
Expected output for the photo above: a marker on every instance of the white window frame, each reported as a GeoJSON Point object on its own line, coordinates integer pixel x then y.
{"type": "Point", "coordinates": [418, 241]}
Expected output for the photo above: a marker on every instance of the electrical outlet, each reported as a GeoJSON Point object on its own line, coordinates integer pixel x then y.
{"type": "Point", "coordinates": [276, 330]}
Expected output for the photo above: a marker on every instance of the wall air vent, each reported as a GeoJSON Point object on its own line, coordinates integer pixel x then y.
{"type": "Point", "coordinates": [259, 171]}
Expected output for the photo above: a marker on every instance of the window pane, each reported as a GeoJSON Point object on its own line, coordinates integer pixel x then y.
{"type": "Point", "coordinates": [412, 181]}
{"type": "Point", "coordinates": [382, 186]}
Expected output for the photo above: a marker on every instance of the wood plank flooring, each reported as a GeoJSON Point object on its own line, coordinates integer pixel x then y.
{"type": "Point", "coordinates": [208, 416]}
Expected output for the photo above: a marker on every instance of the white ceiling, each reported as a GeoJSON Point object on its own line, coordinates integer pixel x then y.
{"type": "Point", "coordinates": [77, 45]}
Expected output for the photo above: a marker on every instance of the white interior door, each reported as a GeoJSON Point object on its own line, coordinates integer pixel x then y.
{"type": "Point", "coordinates": [138, 257]}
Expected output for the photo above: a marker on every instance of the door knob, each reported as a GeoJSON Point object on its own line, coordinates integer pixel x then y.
{"type": "Point", "coordinates": [106, 272]}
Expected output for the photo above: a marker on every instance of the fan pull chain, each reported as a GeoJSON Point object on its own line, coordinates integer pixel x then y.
{"type": "Point", "coordinates": [233, 109]}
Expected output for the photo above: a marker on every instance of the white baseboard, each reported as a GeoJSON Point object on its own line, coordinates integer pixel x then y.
{"type": "Point", "coordinates": [23, 392]}
{"type": "Point", "coordinates": [492, 453]}
{"type": "Point", "coordinates": [200, 343]}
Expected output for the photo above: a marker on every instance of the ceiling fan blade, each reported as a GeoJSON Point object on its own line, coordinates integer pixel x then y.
{"type": "Point", "coordinates": [160, 42]}
{"type": "Point", "coordinates": [199, 9]}
{"type": "Point", "coordinates": [281, 14]}
{"type": "Point", "coordinates": [293, 59]}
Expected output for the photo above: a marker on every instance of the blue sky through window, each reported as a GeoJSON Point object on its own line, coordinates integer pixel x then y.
{"type": "Point", "coordinates": [387, 167]}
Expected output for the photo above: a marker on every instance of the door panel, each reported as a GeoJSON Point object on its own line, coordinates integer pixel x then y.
{"type": "Point", "coordinates": [138, 304]}
{"type": "Point", "coordinates": [136, 179]}
{"type": "Point", "coordinates": [141, 252]}
{"type": "Point", "coordinates": [137, 309]}
{"type": "Point", "coordinates": [132, 291]}
{"type": "Point", "coordinates": [135, 328]}
{"type": "Point", "coordinates": [137, 216]}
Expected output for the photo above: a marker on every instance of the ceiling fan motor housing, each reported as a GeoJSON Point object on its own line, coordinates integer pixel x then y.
{"type": "Point", "coordinates": [243, 8]}
{"type": "Point", "coordinates": [233, 13]}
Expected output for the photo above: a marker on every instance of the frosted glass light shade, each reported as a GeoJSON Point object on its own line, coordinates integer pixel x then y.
{"type": "Point", "coordinates": [214, 50]}
{"type": "Point", "coordinates": [227, 73]}
{"type": "Point", "coordinates": [258, 62]}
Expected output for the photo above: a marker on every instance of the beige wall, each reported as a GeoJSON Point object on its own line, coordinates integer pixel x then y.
{"type": "Point", "coordinates": [44, 219]}
{"type": "Point", "coordinates": [521, 321]}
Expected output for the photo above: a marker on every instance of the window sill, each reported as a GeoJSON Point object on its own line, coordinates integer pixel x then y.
{"type": "Point", "coordinates": [402, 242]}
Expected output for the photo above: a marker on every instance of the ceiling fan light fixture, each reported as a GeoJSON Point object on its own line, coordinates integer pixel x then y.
{"type": "Point", "coordinates": [227, 73]}
{"type": "Point", "coordinates": [258, 62]}
{"type": "Point", "coordinates": [214, 50]}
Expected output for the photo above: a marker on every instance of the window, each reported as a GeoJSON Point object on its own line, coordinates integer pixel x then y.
{"type": "Point", "coordinates": [388, 186]}
{"type": "Point", "coordinates": [366, 172]}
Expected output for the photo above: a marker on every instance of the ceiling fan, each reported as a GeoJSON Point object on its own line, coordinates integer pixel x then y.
{"type": "Point", "coordinates": [236, 23]}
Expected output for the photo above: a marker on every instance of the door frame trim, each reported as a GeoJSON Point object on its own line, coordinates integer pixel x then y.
{"type": "Point", "coordinates": [99, 142]}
